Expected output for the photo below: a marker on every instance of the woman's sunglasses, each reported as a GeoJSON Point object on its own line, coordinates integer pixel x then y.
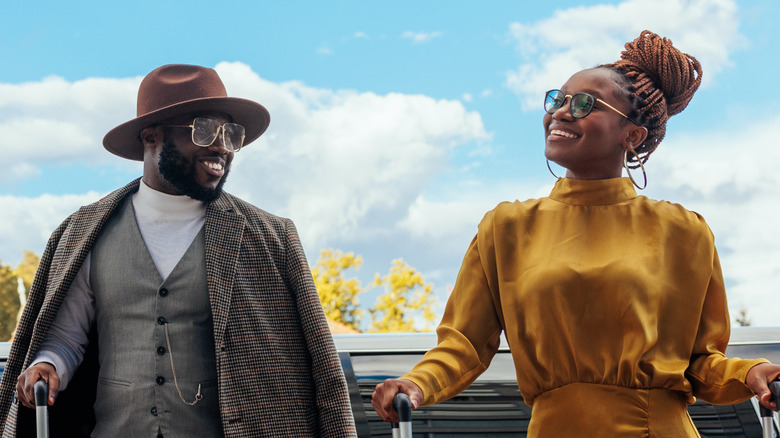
{"type": "Point", "coordinates": [580, 104]}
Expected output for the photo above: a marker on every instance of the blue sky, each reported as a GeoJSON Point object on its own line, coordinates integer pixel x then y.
{"type": "Point", "coordinates": [394, 125]}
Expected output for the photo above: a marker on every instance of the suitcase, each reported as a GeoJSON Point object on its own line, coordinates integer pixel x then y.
{"type": "Point", "coordinates": [41, 390]}
{"type": "Point", "coordinates": [402, 405]}
{"type": "Point", "coordinates": [767, 415]}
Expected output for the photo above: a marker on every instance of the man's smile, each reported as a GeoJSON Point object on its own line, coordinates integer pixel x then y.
{"type": "Point", "coordinates": [214, 166]}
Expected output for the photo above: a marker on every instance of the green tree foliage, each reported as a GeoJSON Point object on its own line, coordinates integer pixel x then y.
{"type": "Point", "coordinates": [406, 305]}
{"type": "Point", "coordinates": [338, 294]}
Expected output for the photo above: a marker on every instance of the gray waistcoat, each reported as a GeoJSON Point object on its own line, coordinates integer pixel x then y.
{"type": "Point", "coordinates": [136, 395]}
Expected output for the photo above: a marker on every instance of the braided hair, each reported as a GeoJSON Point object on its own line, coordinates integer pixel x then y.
{"type": "Point", "coordinates": [660, 81]}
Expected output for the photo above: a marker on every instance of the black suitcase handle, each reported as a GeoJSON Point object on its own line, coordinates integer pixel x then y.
{"type": "Point", "coordinates": [403, 406]}
{"type": "Point", "coordinates": [774, 388]}
{"type": "Point", "coordinates": [41, 390]}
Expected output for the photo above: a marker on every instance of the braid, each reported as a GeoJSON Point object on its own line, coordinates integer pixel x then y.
{"type": "Point", "coordinates": [660, 81]}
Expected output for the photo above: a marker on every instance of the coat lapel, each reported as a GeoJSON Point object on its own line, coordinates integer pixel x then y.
{"type": "Point", "coordinates": [223, 234]}
{"type": "Point", "coordinates": [75, 243]}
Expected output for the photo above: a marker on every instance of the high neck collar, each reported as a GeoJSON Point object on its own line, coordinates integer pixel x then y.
{"type": "Point", "coordinates": [155, 203]}
{"type": "Point", "coordinates": [593, 191]}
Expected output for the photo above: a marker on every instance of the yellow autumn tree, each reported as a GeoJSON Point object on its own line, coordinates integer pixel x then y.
{"type": "Point", "coordinates": [27, 267]}
{"type": "Point", "coordinates": [406, 305]}
{"type": "Point", "coordinates": [338, 294]}
{"type": "Point", "coordinates": [9, 302]}
{"type": "Point", "coordinates": [26, 273]}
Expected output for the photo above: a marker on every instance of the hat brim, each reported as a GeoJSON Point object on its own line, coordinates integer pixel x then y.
{"type": "Point", "coordinates": [125, 142]}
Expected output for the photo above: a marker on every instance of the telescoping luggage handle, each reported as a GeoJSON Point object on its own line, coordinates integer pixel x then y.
{"type": "Point", "coordinates": [41, 390]}
{"type": "Point", "coordinates": [766, 414]}
{"type": "Point", "coordinates": [402, 405]}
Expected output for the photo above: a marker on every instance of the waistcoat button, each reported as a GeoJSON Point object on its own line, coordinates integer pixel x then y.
{"type": "Point", "coordinates": [154, 411]}
{"type": "Point", "coordinates": [163, 292]}
{"type": "Point", "coordinates": [160, 350]}
{"type": "Point", "coordinates": [161, 321]}
{"type": "Point", "coordinates": [160, 380]}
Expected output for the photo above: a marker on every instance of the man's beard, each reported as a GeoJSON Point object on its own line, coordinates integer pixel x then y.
{"type": "Point", "coordinates": [180, 172]}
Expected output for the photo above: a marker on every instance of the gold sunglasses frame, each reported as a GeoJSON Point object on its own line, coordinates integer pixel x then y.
{"type": "Point", "coordinates": [220, 129]}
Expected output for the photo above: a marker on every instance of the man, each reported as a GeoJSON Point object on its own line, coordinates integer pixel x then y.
{"type": "Point", "coordinates": [201, 306]}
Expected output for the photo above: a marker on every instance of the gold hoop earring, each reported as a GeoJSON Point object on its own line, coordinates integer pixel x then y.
{"type": "Point", "coordinates": [550, 169]}
{"type": "Point", "coordinates": [628, 170]}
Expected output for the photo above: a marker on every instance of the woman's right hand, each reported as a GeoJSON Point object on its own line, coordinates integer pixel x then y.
{"type": "Point", "coordinates": [382, 398]}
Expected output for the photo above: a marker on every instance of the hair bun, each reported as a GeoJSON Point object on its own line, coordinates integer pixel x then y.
{"type": "Point", "coordinates": [676, 74]}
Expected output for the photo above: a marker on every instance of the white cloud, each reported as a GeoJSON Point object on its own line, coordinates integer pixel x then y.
{"type": "Point", "coordinates": [733, 183]}
{"type": "Point", "coordinates": [360, 35]}
{"type": "Point", "coordinates": [343, 163]}
{"type": "Point", "coordinates": [448, 221]}
{"type": "Point", "coordinates": [54, 121]}
{"type": "Point", "coordinates": [467, 97]}
{"type": "Point", "coordinates": [572, 39]}
{"type": "Point", "coordinates": [26, 223]}
{"type": "Point", "coordinates": [324, 50]}
{"type": "Point", "coordinates": [420, 37]}
{"type": "Point", "coordinates": [19, 171]}
{"type": "Point", "coordinates": [435, 220]}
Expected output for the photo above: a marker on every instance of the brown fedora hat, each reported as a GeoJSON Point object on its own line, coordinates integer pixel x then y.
{"type": "Point", "coordinates": [177, 89]}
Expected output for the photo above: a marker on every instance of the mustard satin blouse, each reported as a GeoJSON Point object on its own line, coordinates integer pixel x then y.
{"type": "Point", "coordinates": [592, 285]}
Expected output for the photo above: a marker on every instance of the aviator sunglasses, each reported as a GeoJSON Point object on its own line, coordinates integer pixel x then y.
{"type": "Point", "coordinates": [580, 104]}
{"type": "Point", "coordinates": [205, 131]}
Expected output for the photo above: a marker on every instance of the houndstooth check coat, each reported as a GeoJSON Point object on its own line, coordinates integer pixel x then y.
{"type": "Point", "coordinates": [277, 367]}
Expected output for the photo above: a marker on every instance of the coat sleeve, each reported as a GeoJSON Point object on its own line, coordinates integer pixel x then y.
{"type": "Point", "coordinates": [468, 335]}
{"type": "Point", "coordinates": [17, 358]}
{"type": "Point", "coordinates": [332, 396]}
{"type": "Point", "coordinates": [714, 377]}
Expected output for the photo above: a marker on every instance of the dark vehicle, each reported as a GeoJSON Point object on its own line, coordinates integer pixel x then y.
{"type": "Point", "coordinates": [493, 407]}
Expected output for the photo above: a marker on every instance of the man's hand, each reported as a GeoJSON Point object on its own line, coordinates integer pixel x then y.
{"type": "Point", "coordinates": [26, 383]}
{"type": "Point", "coordinates": [382, 398]}
{"type": "Point", "coordinates": [758, 379]}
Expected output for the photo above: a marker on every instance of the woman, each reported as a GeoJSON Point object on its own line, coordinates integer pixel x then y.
{"type": "Point", "coordinates": [613, 305]}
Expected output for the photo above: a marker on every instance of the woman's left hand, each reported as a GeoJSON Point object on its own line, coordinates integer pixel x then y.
{"type": "Point", "coordinates": [758, 379]}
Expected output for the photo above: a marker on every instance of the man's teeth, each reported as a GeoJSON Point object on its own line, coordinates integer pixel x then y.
{"type": "Point", "coordinates": [563, 133]}
{"type": "Point", "coordinates": [213, 166]}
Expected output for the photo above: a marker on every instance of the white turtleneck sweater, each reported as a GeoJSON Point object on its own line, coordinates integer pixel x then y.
{"type": "Point", "coordinates": [168, 224]}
